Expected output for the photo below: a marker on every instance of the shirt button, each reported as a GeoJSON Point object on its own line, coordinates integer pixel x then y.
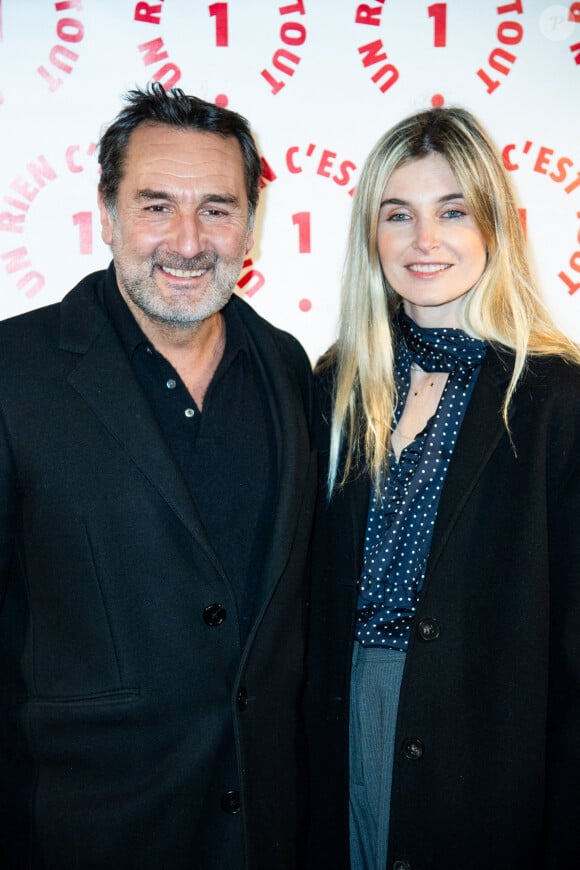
{"type": "Point", "coordinates": [413, 748]}
{"type": "Point", "coordinates": [401, 865]}
{"type": "Point", "coordinates": [189, 412]}
{"type": "Point", "coordinates": [214, 614]}
{"type": "Point", "coordinates": [230, 802]}
{"type": "Point", "coordinates": [171, 384]}
{"type": "Point", "coordinates": [428, 629]}
{"type": "Point", "coordinates": [242, 699]}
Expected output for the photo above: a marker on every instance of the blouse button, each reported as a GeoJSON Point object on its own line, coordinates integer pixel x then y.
{"type": "Point", "coordinates": [171, 384]}
{"type": "Point", "coordinates": [189, 412]}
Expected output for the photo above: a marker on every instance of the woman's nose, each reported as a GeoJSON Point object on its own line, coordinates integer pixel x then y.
{"type": "Point", "coordinates": [426, 235]}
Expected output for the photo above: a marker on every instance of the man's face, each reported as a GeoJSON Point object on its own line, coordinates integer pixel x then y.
{"type": "Point", "coordinates": [180, 231]}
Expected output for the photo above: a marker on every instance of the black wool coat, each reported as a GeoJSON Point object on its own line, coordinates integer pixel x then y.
{"type": "Point", "coordinates": [487, 755]}
{"type": "Point", "coordinates": [136, 732]}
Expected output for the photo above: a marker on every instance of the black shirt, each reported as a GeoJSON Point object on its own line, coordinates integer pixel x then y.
{"type": "Point", "coordinates": [226, 452]}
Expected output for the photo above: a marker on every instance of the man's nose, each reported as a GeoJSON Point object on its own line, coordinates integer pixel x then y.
{"type": "Point", "coordinates": [187, 236]}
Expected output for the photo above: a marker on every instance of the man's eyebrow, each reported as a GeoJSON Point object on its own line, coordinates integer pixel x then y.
{"type": "Point", "coordinates": [223, 198]}
{"type": "Point", "coordinates": [149, 193]}
{"type": "Point", "coordinates": [447, 198]}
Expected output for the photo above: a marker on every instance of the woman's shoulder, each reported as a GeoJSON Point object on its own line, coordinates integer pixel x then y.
{"type": "Point", "coordinates": [554, 373]}
{"type": "Point", "coordinates": [549, 372]}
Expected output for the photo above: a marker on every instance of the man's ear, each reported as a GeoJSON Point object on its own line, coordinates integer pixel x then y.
{"type": "Point", "coordinates": [106, 220]}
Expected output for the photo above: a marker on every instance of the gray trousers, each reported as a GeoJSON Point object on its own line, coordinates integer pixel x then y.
{"type": "Point", "coordinates": [374, 700]}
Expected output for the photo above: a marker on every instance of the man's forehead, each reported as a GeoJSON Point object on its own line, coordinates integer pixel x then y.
{"type": "Point", "coordinates": [184, 154]}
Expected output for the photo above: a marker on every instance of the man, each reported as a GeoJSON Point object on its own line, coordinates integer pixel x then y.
{"type": "Point", "coordinates": [156, 496]}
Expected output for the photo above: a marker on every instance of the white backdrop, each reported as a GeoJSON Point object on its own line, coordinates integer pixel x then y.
{"type": "Point", "coordinates": [319, 81]}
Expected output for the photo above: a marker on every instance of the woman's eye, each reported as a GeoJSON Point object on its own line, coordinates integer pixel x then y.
{"type": "Point", "coordinates": [399, 216]}
{"type": "Point", "coordinates": [453, 213]}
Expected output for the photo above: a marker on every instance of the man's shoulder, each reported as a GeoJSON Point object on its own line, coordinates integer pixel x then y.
{"type": "Point", "coordinates": [42, 326]}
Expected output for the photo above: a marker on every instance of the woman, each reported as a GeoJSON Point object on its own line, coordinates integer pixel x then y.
{"type": "Point", "coordinates": [444, 695]}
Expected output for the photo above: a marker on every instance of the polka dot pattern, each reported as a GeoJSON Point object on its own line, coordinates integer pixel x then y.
{"type": "Point", "coordinates": [400, 522]}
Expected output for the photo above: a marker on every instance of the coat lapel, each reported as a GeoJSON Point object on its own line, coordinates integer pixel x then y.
{"type": "Point", "coordinates": [482, 429]}
{"type": "Point", "coordinates": [294, 457]}
{"type": "Point", "coordinates": [105, 380]}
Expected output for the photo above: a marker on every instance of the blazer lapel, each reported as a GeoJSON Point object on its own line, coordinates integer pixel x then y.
{"type": "Point", "coordinates": [105, 380]}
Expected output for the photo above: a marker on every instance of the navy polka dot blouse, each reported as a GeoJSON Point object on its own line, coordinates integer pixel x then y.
{"type": "Point", "coordinates": [400, 523]}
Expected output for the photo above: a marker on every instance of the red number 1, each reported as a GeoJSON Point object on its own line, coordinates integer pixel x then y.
{"type": "Point", "coordinates": [219, 11]}
{"type": "Point", "coordinates": [84, 220]}
{"type": "Point", "coordinates": [438, 11]}
{"type": "Point", "coordinates": [302, 220]}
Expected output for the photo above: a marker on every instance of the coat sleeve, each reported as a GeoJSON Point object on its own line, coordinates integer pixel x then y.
{"type": "Point", "coordinates": [8, 497]}
{"type": "Point", "coordinates": [562, 837]}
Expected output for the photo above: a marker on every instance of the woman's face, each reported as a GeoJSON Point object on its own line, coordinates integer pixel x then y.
{"type": "Point", "coordinates": [430, 247]}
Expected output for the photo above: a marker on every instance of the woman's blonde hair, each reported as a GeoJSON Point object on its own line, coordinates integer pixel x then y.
{"type": "Point", "coordinates": [504, 307]}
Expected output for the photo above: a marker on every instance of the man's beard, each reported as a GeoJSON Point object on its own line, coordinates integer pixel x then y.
{"type": "Point", "coordinates": [189, 307]}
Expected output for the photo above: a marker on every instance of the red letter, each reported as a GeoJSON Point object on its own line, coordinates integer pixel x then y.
{"type": "Point", "coordinates": [268, 173]}
{"type": "Point", "coordinates": [572, 288]}
{"type": "Point", "coordinates": [293, 40]}
{"type": "Point", "coordinates": [371, 52]}
{"type": "Point", "coordinates": [368, 15]}
{"type": "Point", "coordinates": [66, 52]}
{"type": "Point", "coordinates": [11, 223]}
{"type": "Point", "coordinates": [515, 7]}
{"type": "Point", "coordinates": [326, 163]}
{"type": "Point", "coordinates": [16, 260]}
{"type": "Point", "coordinates": [510, 40]}
{"type": "Point", "coordinates": [560, 165]}
{"type": "Point", "coordinates": [38, 283]}
{"type": "Point", "coordinates": [171, 70]}
{"type": "Point", "coordinates": [501, 52]}
{"type": "Point", "coordinates": [289, 56]}
{"type": "Point", "coordinates": [71, 23]}
{"type": "Point", "coordinates": [492, 84]}
{"type": "Point", "coordinates": [345, 168]}
{"type": "Point", "coordinates": [147, 13]}
{"type": "Point", "coordinates": [541, 160]}
{"type": "Point", "coordinates": [290, 163]}
{"type": "Point", "coordinates": [153, 51]}
{"type": "Point", "coordinates": [41, 170]}
{"type": "Point", "coordinates": [393, 73]}
{"type": "Point", "coordinates": [506, 159]}
{"type": "Point", "coordinates": [69, 4]}
{"type": "Point", "coordinates": [288, 10]}
{"type": "Point", "coordinates": [573, 185]}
